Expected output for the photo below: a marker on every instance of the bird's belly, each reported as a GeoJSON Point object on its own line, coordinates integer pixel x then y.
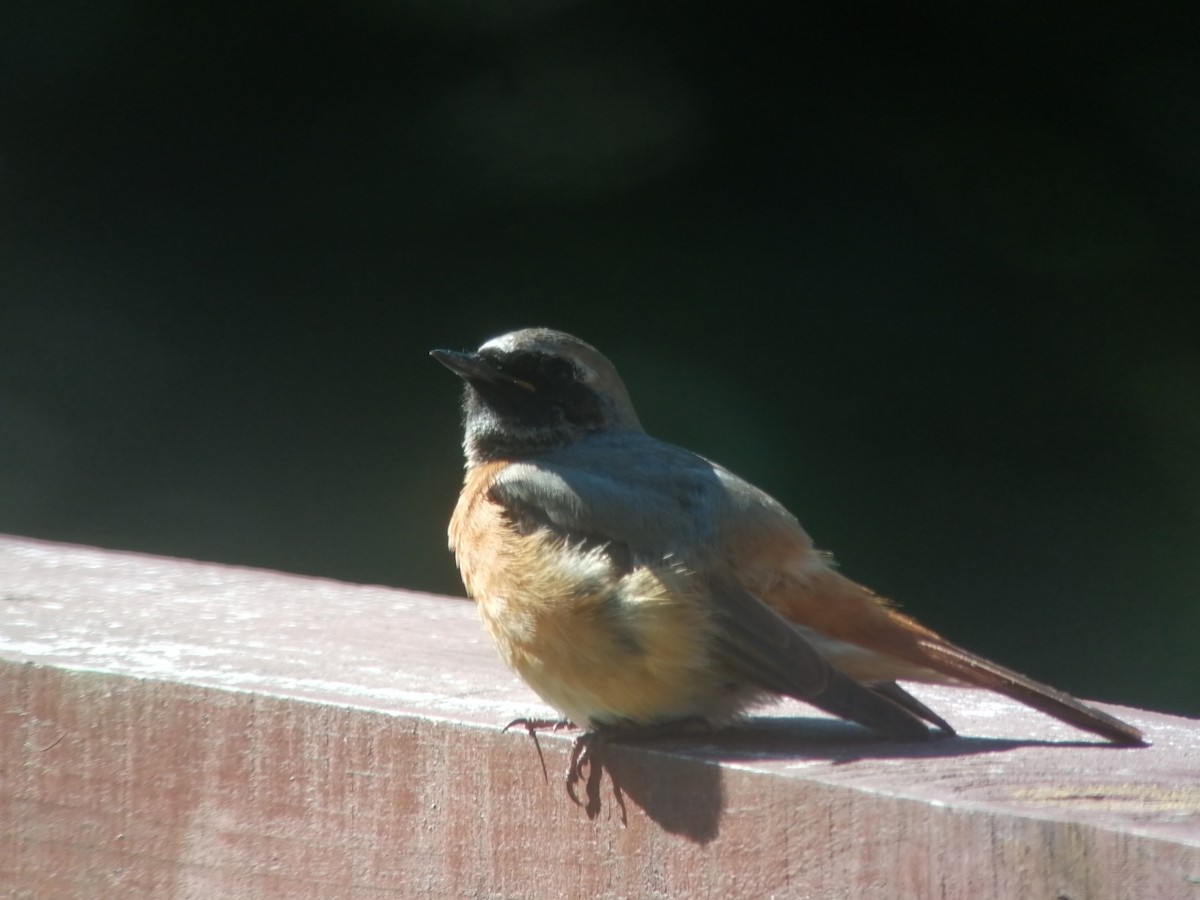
{"type": "Point", "coordinates": [604, 645]}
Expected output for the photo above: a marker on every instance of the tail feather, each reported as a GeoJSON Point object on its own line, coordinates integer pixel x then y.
{"type": "Point", "coordinates": [854, 614]}
{"type": "Point", "coordinates": [975, 670]}
{"type": "Point", "coordinates": [901, 697]}
{"type": "Point", "coordinates": [845, 697]}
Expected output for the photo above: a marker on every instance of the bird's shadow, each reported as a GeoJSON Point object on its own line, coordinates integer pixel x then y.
{"type": "Point", "coordinates": [688, 798]}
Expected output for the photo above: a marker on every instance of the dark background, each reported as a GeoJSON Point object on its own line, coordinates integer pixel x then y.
{"type": "Point", "coordinates": [926, 273]}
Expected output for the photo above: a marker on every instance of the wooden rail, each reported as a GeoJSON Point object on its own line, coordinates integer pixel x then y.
{"type": "Point", "coordinates": [172, 729]}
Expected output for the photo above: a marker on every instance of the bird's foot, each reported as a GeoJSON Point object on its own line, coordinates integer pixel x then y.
{"type": "Point", "coordinates": [585, 753]}
{"type": "Point", "coordinates": [532, 726]}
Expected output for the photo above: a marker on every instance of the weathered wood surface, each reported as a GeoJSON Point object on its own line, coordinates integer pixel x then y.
{"type": "Point", "coordinates": [171, 729]}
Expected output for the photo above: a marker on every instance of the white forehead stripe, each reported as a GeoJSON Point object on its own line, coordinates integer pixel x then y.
{"type": "Point", "coordinates": [503, 343]}
{"type": "Point", "coordinates": [507, 343]}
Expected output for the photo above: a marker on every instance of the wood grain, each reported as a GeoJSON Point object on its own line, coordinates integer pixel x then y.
{"type": "Point", "coordinates": [171, 729]}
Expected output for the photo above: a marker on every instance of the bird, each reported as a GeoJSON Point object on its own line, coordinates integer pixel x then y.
{"type": "Point", "coordinates": [633, 584]}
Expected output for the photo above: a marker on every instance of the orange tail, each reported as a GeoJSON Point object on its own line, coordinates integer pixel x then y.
{"type": "Point", "coordinates": [975, 670]}
{"type": "Point", "coordinates": [842, 609]}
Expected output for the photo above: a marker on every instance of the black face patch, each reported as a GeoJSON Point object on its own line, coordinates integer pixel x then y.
{"type": "Point", "coordinates": [557, 398]}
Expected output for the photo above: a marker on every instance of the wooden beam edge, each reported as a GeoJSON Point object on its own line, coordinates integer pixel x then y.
{"type": "Point", "coordinates": [267, 703]}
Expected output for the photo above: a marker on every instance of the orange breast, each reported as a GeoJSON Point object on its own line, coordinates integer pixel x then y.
{"type": "Point", "coordinates": [599, 643]}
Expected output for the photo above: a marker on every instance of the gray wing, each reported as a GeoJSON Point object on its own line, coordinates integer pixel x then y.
{"type": "Point", "coordinates": [755, 641]}
{"type": "Point", "coordinates": [625, 488]}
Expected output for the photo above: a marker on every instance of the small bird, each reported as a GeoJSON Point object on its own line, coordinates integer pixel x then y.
{"type": "Point", "coordinates": [636, 585]}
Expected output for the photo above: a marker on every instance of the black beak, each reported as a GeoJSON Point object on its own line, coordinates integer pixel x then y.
{"type": "Point", "coordinates": [472, 367]}
{"type": "Point", "coordinates": [465, 365]}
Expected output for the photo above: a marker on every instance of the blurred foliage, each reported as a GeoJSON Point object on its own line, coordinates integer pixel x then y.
{"type": "Point", "coordinates": [927, 274]}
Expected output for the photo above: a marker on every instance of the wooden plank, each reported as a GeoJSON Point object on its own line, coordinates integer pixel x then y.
{"type": "Point", "coordinates": [175, 729]}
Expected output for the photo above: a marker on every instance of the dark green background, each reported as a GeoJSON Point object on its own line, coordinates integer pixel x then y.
{"type": "Point", "coordinates": [927, 273]}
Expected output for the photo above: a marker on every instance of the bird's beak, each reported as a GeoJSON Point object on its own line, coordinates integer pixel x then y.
{"type": "Point", "coordinates": [472, 367]}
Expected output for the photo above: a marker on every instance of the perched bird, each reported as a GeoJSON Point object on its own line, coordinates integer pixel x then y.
{"type": "Point", "coordinates": [633, 584]}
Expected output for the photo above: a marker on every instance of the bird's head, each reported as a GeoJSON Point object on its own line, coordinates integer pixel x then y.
{"type": "Point", "coordinates": [536, 389]}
